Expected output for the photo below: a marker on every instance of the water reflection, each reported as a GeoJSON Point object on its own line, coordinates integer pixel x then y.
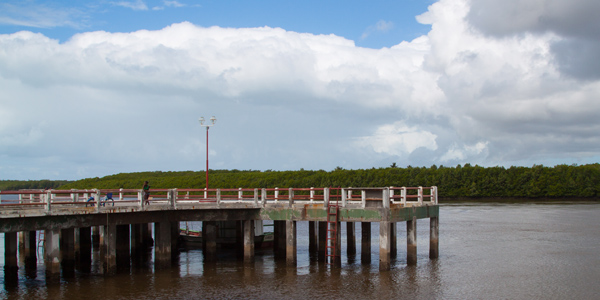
{"type": "Point", "coordinates": [486, 251]}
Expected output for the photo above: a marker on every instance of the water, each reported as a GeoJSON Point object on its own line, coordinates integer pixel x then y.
{"type": "Point", "coordinates": [487, 251]}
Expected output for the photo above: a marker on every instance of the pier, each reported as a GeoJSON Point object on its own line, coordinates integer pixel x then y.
{"type": "Point", "coordinates": [69, 225]}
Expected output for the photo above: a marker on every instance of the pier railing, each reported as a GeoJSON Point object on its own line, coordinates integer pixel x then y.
{"type": "Point", "coordinates": [96, 200]}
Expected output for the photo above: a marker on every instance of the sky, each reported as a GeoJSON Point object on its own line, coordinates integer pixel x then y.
{"type": "Point", "coordinates": [94, 88]}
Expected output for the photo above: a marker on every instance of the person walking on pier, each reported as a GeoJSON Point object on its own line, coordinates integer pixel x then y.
{"type": "Point", "coordinates": [146, 192]}
{"type": "Point", "coordinates": [91, 198]}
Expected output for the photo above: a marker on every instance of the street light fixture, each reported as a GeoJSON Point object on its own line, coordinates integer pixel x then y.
{"type": "Point", "coordinates": [212, 121]}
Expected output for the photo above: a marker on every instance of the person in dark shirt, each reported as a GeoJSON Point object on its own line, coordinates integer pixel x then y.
{"type": "Point", "coordinates": [146, 192]}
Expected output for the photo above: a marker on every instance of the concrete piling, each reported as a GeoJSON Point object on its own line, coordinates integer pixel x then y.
{"type": "Point", "coordinates": [385, 241]}
{"type": "Point", "coordinates": [290, 253]}
{"type": "Point", "coordinates": [162, 244]}
{"type": "Point", "coordinates": [365, 243]}
{"type": "Point", "coordinates": [248, 241]}
{"type": "Point", "coordinates": [434, 229]}
{"type": "Point", "coordinates": [350, 239]}
{"type": "Point", "coordinates": [411, 241]}
{"type": "Point", "coordinates": [52, 251]}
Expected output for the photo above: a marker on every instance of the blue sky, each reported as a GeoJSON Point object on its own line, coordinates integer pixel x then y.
{"type": "Point", "coordinates": [372, 24]}
{"type": "Point", "coordinates": [93, 88]}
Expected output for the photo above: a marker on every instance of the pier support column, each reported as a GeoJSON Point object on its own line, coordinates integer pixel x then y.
{"type": "Point", "coordinates": [109, 247]}
{"type": "Point", "coordinates": [290, 253]}
{"type": "Point", "coordinates": [313, 238]}
{"type": "Point", "coordinates": [147, 233]}
{"type": "Point", "coordinates": [123, 256]}
{"type": "Point", "coordinates": [393, 240]}
{"type": "Point", "coordinates": [175, 237]}
{"type": "Point", "coordinates": [434, 228]}
{"type": "Point", "coordinates": [67, 251]}
{"type": "Point", "coordinates": [350, 239]}
{"type": "Point", "coordinates": [385, 242]}
{"type": "Point", "coordinates": [248, 240]}
{"type": "Point", "coordinates": [95, 237]}
{"type": "Point", "coordinates": [76, 244]}
{"type": "Point", "coordinates": [337, 259]}
{"type": "Point", "coordinates": [365, 243]}
{"type": "Point", "coordinates": [28, 245]}
{"type": "Point", "coordinates": [322, 241]}
{"type": "Point", "coordinates": [209, 238]}
{"type": "Point", "coordinates": [162, 244]}
{"type": "Point", "coordinates": [136, 238]}
{"type": "Point", "coordinates": [85, 245]}
{"type": "Point", "coordinates": [52, 251]}
{"type": "Point", "coordinates": [11, 265]}
{"type": "Point", "coordinates": [411, 241]}
{"type": "Point", "coordinates": [67, 246]}
{"type": "Point", "coordinates": [279, 230]}
{"type": "Point", "coordinates": [10, 251]}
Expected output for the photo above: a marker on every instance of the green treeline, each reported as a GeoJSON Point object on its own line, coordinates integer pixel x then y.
{"type": "Point", "coordinates": [11, 185]}
{"type": "Point", "coordinates": [460, 181]}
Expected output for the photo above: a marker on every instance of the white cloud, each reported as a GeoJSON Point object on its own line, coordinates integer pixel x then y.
{"type": "Point", "coordinates": [173, 3]}
{"type": "Point", "coordinates": [380, 26]}
{"type": "Point", "coordinates": [25, 13]}
{"type": "Point", "coordinates": [397, 139]}
{"type": "Point", "coordinates": [135, 5]}
{"type": "Point", "coordinates": [104, 103]}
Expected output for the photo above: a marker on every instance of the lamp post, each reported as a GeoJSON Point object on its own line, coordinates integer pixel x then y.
{"type": "Point", "coordinates": [212, 121]}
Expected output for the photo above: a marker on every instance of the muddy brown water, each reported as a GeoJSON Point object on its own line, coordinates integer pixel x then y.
{"type": "Point", "coordinates": [487, 251]}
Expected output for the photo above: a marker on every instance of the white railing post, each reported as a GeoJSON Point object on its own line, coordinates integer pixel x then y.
{"type": "Point", "coordinates": [205, 194]}
{"type": "Point", "coordinates": [344, 197]}
{"type": "Point", "coordinates": [74, 195]}
{"type": "Point", "coordinates": [291, 197]}
{"type": "Point", "coordinates": [173, 198]}
{"type": "Point", "coordinates": [363, 198]}
{"type": "Point", "coordinates": [276, 194]}
{"type": "Point", "coordinates": [403, 195]}
{"type": "Point", "coordinates": [434, 192]}
{"type": "Point", "coordinates": [121, 194]}
{"type": "Point", "coordinates": [48, 199]}
{"type": "Point", "coordinates": [326, 197]}
{"type": "Point", "coordinates": [141, 198]}
{"type": "Point", "coordinates": [263, 196]}
{"type": "Point", "coordinates": [97, 199]}
{"type": "Point", "coordinates": [420, 195]}
{"type": "Point", "coordinates": [392, 194]}
{"type": "Point", "coordinates": [386, 197]}
{"type": "Point", "coordinates": [20, 198]}
{"type": "Point", "coordinates": [240, 195]}
{"type": "Point", "coordinates": [218, 197]}
{"type": "Point", "coordinates": [255, 197]}
{"type": "Point", "coordinates": [312, 194]}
